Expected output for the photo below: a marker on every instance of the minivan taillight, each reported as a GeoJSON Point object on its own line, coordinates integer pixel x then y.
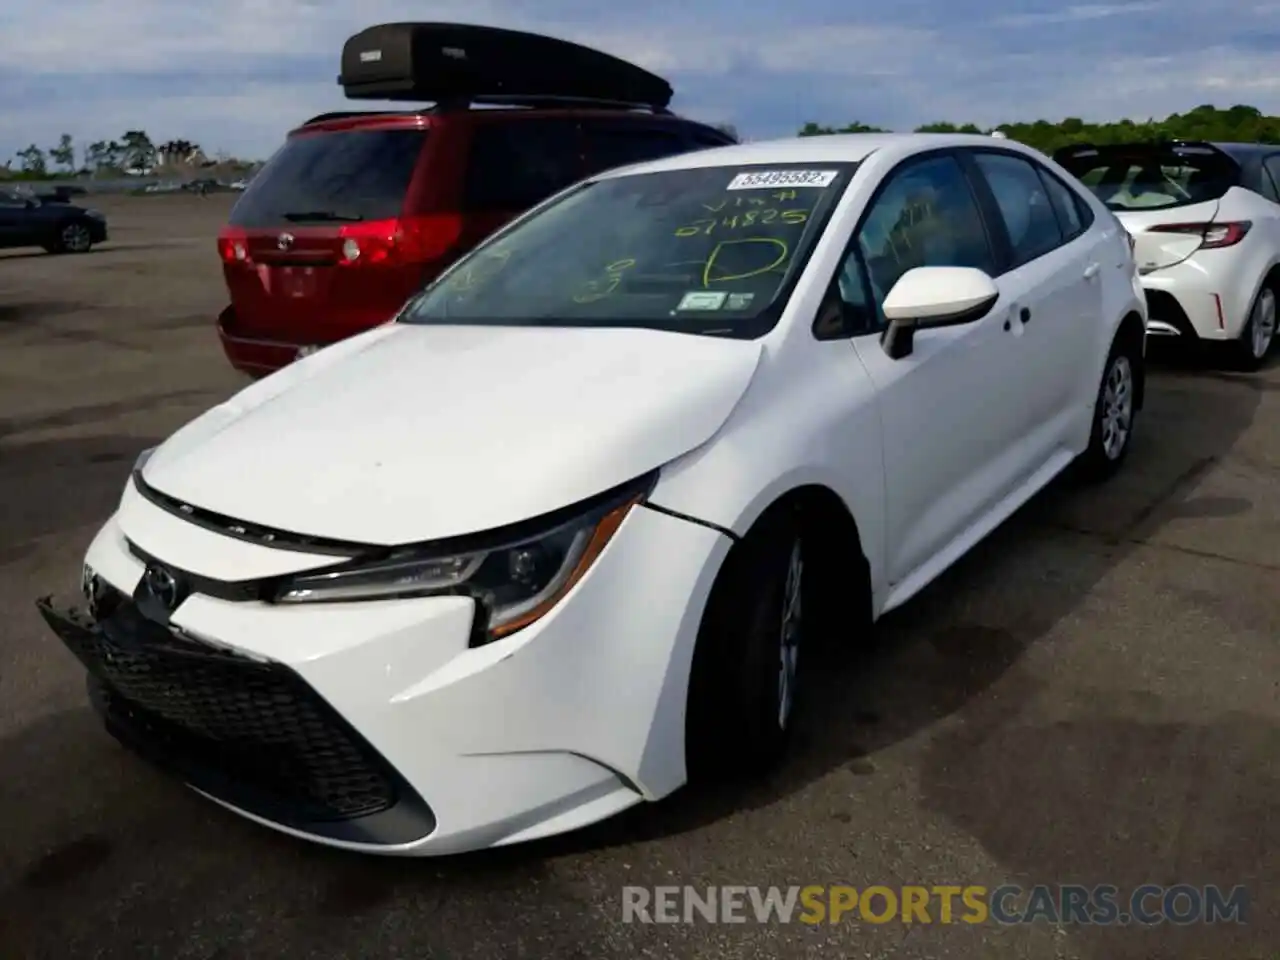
{"type": "Point", "coordinates": [402, 241]}
{"type": "Point", "coordinates": [233, 246]}
{"type": "Point", "coordinates": [1212, 235]}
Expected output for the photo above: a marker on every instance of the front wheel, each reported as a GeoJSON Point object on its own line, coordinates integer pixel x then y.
{"type": "Point", "coordinates": [74, 237]}
{"type": "Point", "coordinates": [1114, 412]}
{"type": "Point", "coordinates": [744, 687]}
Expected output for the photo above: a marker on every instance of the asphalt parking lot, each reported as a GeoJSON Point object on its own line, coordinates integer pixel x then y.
{"type": "Point", "coordinates": [1091, 697]}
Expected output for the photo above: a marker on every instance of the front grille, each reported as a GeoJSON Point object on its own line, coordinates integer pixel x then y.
{"type": "Point", "coordinates": [251, 733]}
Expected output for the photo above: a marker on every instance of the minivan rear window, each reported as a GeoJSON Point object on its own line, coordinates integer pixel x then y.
{"type": "Point", "coordinates": [1142, 177]}
{"type": "Point", "coordinates": [340, 176]}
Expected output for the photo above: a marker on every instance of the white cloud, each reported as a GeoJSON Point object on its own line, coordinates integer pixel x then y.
{"type": "Point", "coordinates": [1076, 14]}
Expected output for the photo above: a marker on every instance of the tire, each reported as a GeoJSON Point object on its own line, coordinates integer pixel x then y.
{"type": "Point", "coordinates": [73, 237]}
{"type": "Point", "coordinates": [745, 686]}
{"type": "Point", "coordinates": [1114, 412]}
{"type": "Point", "coordinates": [1259, 334]}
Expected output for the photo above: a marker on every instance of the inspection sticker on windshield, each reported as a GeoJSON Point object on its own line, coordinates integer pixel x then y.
{"type": "Point", "coordinates": [702, 300]}
{"type": "Point", "coordinates": [766, 179]}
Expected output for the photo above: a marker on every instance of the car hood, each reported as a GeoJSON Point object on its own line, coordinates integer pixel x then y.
{"type": "Point", "coordinates": [414, 433]}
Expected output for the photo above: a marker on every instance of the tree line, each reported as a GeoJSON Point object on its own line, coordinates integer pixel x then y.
{"type": "Point", "coordinates": [134, 152]}
{"type": "Point", "coordinates": [1238, 124]}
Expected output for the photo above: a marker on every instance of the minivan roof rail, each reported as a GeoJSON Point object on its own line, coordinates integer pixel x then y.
{"type": "Point", "coordinates": [458, 106]}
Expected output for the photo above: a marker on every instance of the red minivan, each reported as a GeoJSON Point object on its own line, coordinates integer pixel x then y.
{"type": "Point", "coordinates": [358, 211]}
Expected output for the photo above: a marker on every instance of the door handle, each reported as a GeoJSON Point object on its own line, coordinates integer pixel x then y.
{"type": "Point", "coordinates": [1091, 271]}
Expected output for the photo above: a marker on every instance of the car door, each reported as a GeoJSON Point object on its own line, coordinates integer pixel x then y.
{"type": "Point", "coordinates": [1268, 214]}
{"type": "Point", "coordinates": [14, 221]}
{"type": "Point", "coordinates": [952, 431]}
{"type": "Point", "coordinates": [1053, 279]}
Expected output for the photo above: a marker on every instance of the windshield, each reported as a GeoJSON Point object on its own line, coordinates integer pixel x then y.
{"type": "Point", "coordinates": [710, 250]}
{"type": "Point", "coordinates": [346, 175]}
{"type": "Point", "coordinates": [1153, 177]}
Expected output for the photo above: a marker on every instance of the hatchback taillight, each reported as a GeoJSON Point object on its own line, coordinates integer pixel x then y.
{"type": "Point", "coordinates": [1212, 235]}
{"type": "Point", "coordinates": [402, 241]}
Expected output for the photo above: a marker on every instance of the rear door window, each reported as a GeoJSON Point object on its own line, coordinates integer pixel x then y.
{"type": "Point", "coordinates": [1073, 213]}
{"type": "Point", "coordinates": [1271, 178]}
{"type": "Point", "coordinates": [1029, 217]}
{"type": "Point", "coordinates": [1152, 176]}
{"type": "Point", "coordinates": [342, 175]}
{"type": "Point", "coordinates": [610, 145]}
{"type": "Point", "coordinates": [516, 165]}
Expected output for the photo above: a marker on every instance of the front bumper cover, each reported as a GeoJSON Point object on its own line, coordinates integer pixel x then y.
{"type": "Point", "coordinates": [247, 732]}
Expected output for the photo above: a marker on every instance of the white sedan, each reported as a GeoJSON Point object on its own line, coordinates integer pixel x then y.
{"type": "Point", "coordinates": [556, 539]}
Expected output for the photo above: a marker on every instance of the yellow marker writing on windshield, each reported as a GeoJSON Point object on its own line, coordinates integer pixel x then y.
{"type": "Point", "coordinates": [739, 202]}
{"type": "Point", "coordinates": [781, 258]}
{"type": "Point", "coordinates": [613, 276]}
{"type": "Point", "coordinates": [469, 278]}
{"type": "Point", "coordinates": [739, 221]}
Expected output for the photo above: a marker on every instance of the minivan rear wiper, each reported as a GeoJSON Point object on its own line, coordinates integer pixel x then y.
{"type": "Point", "coordinates": [323, 215]}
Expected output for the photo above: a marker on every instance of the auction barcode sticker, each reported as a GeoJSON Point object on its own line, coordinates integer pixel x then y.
{"type": "Point", "coordinates": [765, 179]}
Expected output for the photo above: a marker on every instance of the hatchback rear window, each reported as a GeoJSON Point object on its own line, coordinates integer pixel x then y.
{"type": "Point", "coordinates": [1143, 177]}
{"type": "Point", "coordinates": [334, 176]}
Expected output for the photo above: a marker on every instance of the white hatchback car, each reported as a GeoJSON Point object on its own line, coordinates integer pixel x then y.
{"type": "Point", "coordinates": [1205, 218]}
{"type": "Point", "coordinates": [556, 539]}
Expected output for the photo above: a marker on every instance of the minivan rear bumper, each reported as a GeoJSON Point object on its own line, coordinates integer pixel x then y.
{"type": "Point", "coordinates": [254, 357]}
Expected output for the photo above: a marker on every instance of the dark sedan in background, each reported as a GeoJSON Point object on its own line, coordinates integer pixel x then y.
{"type": "Point", "coordinates": [58, 227]}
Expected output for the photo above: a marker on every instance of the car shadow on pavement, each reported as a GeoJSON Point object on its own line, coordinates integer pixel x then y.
{"type": "Point", "coordinates": [14, 314]}
{"type": "Point", "coordinates": [32, 254]}
{"type": "Point", "coordinates": [1076, 797]}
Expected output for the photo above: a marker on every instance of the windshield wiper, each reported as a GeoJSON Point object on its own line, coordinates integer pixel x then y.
{"type": "Point", "coordinates": [331, 216]}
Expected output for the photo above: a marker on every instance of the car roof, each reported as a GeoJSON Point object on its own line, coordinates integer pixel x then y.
{"type": "Point", "coordinates": [827, 148]}
{"type": "Point", "coordinates": [1240, 152]}
{"type": "Point", "coordinates": [1245, 151]}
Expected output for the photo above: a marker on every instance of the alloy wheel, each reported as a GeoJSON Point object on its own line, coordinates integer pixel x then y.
{"type": "Point", "coordinates": [75, 238]}
{"type": "Point", "coordinates": [1263, 324]}
{"type": "Point", "coordinates": [789, 634]}
{"type": "Point", "coordinates": [1117, 407]}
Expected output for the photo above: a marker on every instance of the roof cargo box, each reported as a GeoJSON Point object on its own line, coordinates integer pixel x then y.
{"type": "Point", "coordinates": [452, 62]}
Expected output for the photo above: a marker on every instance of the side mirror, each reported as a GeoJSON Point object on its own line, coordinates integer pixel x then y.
{"type": "Point", "coordinates": [926, 297]}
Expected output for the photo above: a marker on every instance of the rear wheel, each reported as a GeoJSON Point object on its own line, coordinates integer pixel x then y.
{"type": "Point", "coordinates": [1258, 336]}
{"type": "Point", "coordinates": [1114, 412]}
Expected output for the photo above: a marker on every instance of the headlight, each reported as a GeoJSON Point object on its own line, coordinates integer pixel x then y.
{"type": "Point", "coordinates": [514, 581]}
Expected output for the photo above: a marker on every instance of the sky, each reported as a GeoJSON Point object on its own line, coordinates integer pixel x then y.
{"type": "Point", "coordinates": [235, 75]}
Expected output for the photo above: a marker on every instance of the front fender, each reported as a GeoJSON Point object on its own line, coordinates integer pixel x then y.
{"type": "Point", "coordinates": [815, 424]}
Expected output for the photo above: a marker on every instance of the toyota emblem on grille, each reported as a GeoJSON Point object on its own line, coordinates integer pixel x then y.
{"type": "Point", "coordinates": [163, 585]}
{"type": "Point", "coordinates": [284, 241]}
